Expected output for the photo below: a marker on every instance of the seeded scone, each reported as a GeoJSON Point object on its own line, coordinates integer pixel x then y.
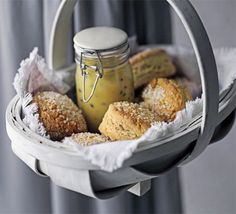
{"type": "Point", "coordinates": [149, 64]}
{"type": "Point", "coordinates": [193, 88]}
{"type": "Point", "coordinates": [88, 139]}
{"type": "Point", "coordinates": [165, 97]}
{"type": "Point", "coordinates": [126, 121]}
{"type": "Point", "coordinates": [59, 115]}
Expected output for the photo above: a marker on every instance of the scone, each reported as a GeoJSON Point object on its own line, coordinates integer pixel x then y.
{"type": "Point", "coordinates": [125, 121]}
{"type": "Point", "coordinates": [165, 97]}
{"type": "Point", "coordinates": [193, 88]}
{"type": "Point", "coordinates": [88, 139]}
{"type": "Point", "coordinates": [149, 64]}
{"type": "Point", "coordinates": [59, 115]}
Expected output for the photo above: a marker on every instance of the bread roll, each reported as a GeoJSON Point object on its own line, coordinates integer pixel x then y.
{"type": "Point", "coordinates": [59, 115]}
{"type": "Point", "coordinates": [125, 121]}
{"type": "Point", "coordinates": [165, 97]}
{"type": "Point", "coordinates": [149, 64]}
{"type": "Point", "coordinates": [88, 139]}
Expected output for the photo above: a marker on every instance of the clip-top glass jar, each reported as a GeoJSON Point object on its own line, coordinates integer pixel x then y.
{"type": "Point", "coordinates": [103, 74]}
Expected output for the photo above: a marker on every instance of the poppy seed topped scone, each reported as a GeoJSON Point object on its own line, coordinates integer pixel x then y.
{"type": "Point", "coordinates": [165, 97]}
{"type": "Point", "coordinates": [125, 121]}
{"type": "Point", "coordinates": [88, 139]}
{"type": "Point", "coordinates": [149, 64]}
{"type": "Point", "coordinates": [59, 115]}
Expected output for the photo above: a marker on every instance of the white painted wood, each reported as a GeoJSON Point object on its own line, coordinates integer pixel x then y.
{"type": "Point", "coordinates": [59, 35]}
{"type": "Point", "coordinates": [208, 71]}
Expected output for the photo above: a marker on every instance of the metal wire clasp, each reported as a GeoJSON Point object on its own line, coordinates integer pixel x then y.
{"type": "Point", "coordinates": [99, 73]}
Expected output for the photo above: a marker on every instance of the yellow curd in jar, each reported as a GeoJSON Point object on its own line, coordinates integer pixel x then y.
{"type": "Point", "coordinates": [115, 85]}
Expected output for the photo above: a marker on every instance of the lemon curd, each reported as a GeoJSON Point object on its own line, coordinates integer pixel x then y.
{"type": "Point", "coordinates": [115, 85]}
{"type": "Point", "coordinates": [103, 74]}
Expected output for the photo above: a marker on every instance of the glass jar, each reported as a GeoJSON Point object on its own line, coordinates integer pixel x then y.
{"type": "Point", "coordinates": [103, 74]}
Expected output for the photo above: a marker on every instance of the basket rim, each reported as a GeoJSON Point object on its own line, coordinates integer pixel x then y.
{"type": "Point", "coordinates": [15, 103]}
{"type": "Point", "coordinates": [188, 135]}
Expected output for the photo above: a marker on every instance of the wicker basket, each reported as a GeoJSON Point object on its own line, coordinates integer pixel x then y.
{"type": "Point", "coordinates": [67, 169]}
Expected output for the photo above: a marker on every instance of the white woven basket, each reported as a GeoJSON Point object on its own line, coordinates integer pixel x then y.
{"type": "Point", "coordinates": [67, 169]}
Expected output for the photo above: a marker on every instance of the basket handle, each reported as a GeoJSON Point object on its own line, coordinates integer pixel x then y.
{"type": "Point", "coordinates": [201, 46]}
{"type": "Point", "coordinates": [59, 38]}
{"type": "Point", "coordinates": [208, 72]}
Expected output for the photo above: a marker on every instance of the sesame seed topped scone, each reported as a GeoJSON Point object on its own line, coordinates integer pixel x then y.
{"type": "Point", "coordinates": [59, 115]}
{"type": "Point", "coordinates": [126, 121]}
{"type": "Point", "coordinates": [193, 88]}
{"type": "Point", "coordinates": [149, 64]}
{"type": "Point", "coordinates": [88, 139]}
{"type": "Point", "coordinates": [165, 97]}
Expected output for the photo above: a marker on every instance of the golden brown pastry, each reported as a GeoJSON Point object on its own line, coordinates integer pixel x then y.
{"type": "Point", "coordinates": [125, 121]}
{"type": "Point", "coordinates": [149, 64]}
{"type": "Point", "coordinates": [165, 97]}
{"type": "Point", "coordinates": [88, 139]}
{"type": "Point", "coordinates": [193, 88]}
{"type": "Point", "coordinates": [59, 115]}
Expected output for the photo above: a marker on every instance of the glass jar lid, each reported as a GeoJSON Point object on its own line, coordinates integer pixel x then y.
{"type": "Point", "coordinates": [100, 39]}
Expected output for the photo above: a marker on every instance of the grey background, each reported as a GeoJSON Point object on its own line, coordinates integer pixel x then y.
{"type": "Point", "coordinates": [208, 183]}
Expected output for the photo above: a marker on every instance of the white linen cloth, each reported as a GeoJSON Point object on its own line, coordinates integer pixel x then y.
{"type": "Point", "coordinates": [111, 155]}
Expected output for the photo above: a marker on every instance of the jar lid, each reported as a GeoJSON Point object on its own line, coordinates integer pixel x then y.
{"type": "Point", "coordinates": [100, 38]}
